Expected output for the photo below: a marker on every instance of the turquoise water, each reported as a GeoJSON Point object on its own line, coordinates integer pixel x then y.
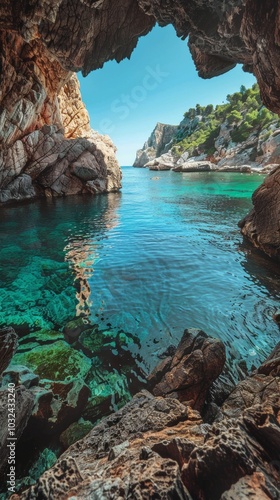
{"type": "Point", "coordinates": [163, 255]}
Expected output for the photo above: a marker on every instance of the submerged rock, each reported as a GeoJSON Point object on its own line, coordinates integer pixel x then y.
{"type": "Point", "coordinates": [74, 328]}
{"type": "Point", "coordinates": [20, 375]}
{"type": "Point", "coordinates": [56, 406]}
{"type": "Point", "coordinates": [55, 362]}
{"type": "Point", "coordinates": [75, 432]}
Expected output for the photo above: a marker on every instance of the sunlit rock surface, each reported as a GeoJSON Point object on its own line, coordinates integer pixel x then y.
{"type": "Point", "coordinates": [158, 143]}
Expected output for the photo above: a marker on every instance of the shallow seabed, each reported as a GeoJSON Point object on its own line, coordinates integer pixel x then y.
{"type": "Point", "coordinates": [163, 255]}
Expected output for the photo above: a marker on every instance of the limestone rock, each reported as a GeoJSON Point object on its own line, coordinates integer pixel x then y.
{"type": "Point", "coordinates": [195, 166]}
{"type": "Point", "coordinates": [74, 116]}
{"type": "Point", "coordinates": [252, 391]}
{"type": "Point", "coordinates": [37, 155]}
{"type": "Point", "coordinates": [55, 483]}
{"type": "Point", "coordinates": [19, 189]}
{"type": "Point", "coordinates": [255, 486]}
{"type": "Point", "coordinates": [159, 447]}
{"type": "Point", "coordinates": [262, 387]}
{"type": "Point", "coordinates": [166, 161]}
{"type": "Point", "coordinates": [197, 362]}
{"type": "Point", "coordinates": [158, 143]}
{"type": "Point", "coordinates": [225, 452]}
{"type": "Point", "coordinates": [121, 460]}
{"type": "Point", "coordinates": [261, 226]}
{"type": "Point", "coordinates": [263, 423]}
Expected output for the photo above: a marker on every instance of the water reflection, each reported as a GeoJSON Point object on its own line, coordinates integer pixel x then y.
{"type": "Point", "coordinates": [83, 252]}
{"type": "Point", "coordinates": [40, 286]}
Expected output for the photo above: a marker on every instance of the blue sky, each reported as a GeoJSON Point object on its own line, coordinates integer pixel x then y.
{"type": "Point", "coordinates": [158, 84]}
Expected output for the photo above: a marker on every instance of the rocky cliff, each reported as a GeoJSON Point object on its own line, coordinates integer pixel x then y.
{"type": "Point", "coordinates": [46, 145]}
{"type": "Point", "coordinates": [158, 143]}
{"type": "Point", "coordinates": [48, 148]}
{"type": "Point", "coordinates": [239, 135]}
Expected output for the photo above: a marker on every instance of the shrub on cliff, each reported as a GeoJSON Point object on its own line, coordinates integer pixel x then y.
{"type": "Point", "coordinates": [242, 114]}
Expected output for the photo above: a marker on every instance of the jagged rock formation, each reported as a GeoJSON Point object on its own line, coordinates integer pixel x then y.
{"type": "Point", "coordinates": [159, 447]}
{"type": "Point", "coordinates": [41, 44]}
{"type": "Point", "coordinates": [158, 143]}
{"type": "Point", "coordinates": [56, 155]}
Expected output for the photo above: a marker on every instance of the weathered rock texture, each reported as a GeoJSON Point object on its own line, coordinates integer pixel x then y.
{"type": "Point", "coordinates": [262, 224]}
{"type": "Point", "coordinates": [158, 143]}
{"type": "Point", "coordinates": [57, 154]}
{"type": "Point", "coordinates": [188, 375]}
{"type": "Point", "coordinates": [159, 447]}
{"type": "Point", "coordinates": [41, 44]}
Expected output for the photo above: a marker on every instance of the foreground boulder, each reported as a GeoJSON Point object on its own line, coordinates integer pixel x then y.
{"type": "Point", "coordinates": [189, 374]}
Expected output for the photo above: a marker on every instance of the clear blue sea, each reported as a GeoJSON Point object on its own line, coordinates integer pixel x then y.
{"type": "Point", "coordinates": [162, 255]}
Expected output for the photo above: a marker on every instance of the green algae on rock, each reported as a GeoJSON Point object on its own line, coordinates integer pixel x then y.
{"type": "Point", "coordinates": [94, 341]}
{"type": "Point", "coordinates": [57, 361]}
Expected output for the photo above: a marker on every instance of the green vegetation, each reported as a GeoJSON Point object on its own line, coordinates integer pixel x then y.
{"type": "Point", "coordinates": [242, 114]}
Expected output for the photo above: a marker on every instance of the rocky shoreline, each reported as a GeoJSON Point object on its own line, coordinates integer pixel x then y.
{"type": "Point", "coordinates": [207, 166]}
{"type": "Point", "coordinates": [185, 435]}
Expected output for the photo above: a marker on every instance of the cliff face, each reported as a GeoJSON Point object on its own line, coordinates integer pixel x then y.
{"type": "Point", "coordinates": [158, 143]}
{"type": "Point", "coordinates": [46, 145]}
{"type": "Point", "coordinates": [237, 135]}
